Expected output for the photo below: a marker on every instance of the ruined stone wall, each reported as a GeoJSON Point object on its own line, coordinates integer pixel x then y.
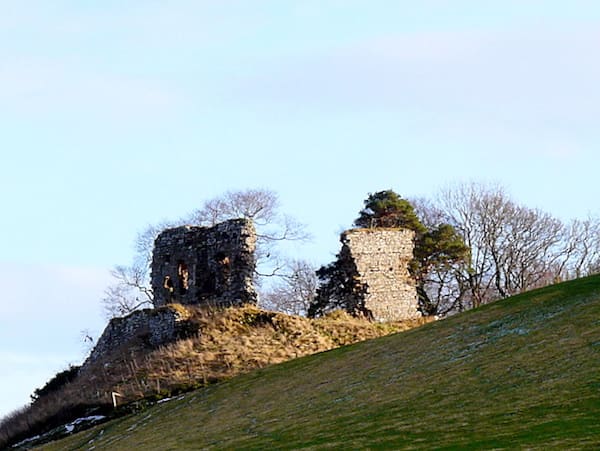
{"type": "Point", "coordinates": [142, 329]}
{"type": "Point", "coordinates": [381, 257]}
{"type": "Point", "coordinates": [205, 265]}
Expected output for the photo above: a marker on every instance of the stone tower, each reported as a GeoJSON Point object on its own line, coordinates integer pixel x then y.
{"type": "Point", "coordinates": [205, 265]}
{"type": "Point", "coordinates": [380, 258]}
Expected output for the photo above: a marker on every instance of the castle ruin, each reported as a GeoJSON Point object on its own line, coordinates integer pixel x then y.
{"type": "Point", "coordinates": [379, 258]}
{"type": "Point", "coordinates": [205, 265]}
{"type": "Point", "coordinates": [215, 266]}
{"type": "Point", "coordinates": [190, 265]}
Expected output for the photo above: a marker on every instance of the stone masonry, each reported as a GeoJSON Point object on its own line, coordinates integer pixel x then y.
{"type": "Point", "coordinates": [202, 265]}
{"type": "Point", "coordinates": [381, 257]}
{"type": "Point", "coordinates": [142, 329]}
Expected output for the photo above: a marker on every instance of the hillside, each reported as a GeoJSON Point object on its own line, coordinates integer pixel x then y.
{"type": "Point", "coordinates": [221, 343]}
{"type": "Point", "coordinates": [523, 372]}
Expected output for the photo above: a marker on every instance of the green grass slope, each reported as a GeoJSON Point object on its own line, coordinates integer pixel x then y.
{"type": "Point", "coordinates": [520, 373]}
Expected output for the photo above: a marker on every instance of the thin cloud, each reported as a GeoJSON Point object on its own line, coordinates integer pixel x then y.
{"type": "Point", "coordinates": [528, 75]}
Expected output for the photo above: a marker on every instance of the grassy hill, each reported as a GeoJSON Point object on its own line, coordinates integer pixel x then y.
{"type": "Point", "coordinates": [519, 373]}
{"type": "Point", "coordinates": [224, 342]}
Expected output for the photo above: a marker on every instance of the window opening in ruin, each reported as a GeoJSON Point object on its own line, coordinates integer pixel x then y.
{"type": "Point", "coordinates": [183, 277]}
{"type": "Point", "coordinates": [168, 283]}
{"type": "Point", "coordinates": [167, 258]}
{"type": "Point", "coordinates": [224, 275]}
{"type": "Point", "coordinates": [223, 260]}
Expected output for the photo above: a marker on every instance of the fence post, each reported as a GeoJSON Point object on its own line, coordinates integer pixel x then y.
{"type": "Point", "coordinates": [114, 398]}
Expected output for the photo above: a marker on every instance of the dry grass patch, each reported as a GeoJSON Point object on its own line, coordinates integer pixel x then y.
{"type": "Point", "coordinates": [238, 340]}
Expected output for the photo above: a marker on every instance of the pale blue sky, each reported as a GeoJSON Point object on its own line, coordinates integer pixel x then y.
{"type": "Point", "coordinates": [114, 116]}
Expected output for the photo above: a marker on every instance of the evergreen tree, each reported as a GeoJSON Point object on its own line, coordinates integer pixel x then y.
{"type": "Point", "coordinates": [388, 209]}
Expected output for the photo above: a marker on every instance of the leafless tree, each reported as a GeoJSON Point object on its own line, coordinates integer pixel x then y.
{"type": "Point", "coordinates": [128, 292]}
{"type": "Point", "coordinates": [531, 246]}
{"type": "Point", "coordinates": [445, 291]}
{"type": "Point", "coordinates": [144, 241]}
{"type": "Point", "coordinates": [294, 291]}
{"type": "Point", "coordinates": [474, 219]}
{"type": "Point", "coordinates": [429, 213]}
{"type": "Point", "coordinates": [273, 227]}
{"type": "Point", "coordinates": [14, 424]}
{"type": "Point", "coordinates": [262, 206]}
{"type": "Point", "coordinates": [513, 247]}
{"type": "Point", "coordinates": [583, 237]}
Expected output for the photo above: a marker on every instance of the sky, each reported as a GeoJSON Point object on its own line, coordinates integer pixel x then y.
{"type": "Point", "coordinates": [115, 115]}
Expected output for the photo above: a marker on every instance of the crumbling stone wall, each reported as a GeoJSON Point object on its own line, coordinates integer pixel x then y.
{"type": "Point", "coordinates": [202, 265]}
{"type": "Point", "coordinates": [381, 257]}
{"type": "Point", "coordinates": [142, 329]}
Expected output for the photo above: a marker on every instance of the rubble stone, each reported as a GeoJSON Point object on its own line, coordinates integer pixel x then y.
{"type": "Point", "coordinates": [381, 257]}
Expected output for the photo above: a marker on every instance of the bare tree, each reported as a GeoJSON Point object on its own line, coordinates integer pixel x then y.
{"type": "Point", "coordinates": [128, 292]}
{"type": "Point", "coordinates": [144, 241]}
{"type": "Point", "coordinates": [513, 247]}
{"type": "Point", "coordinates": [262, 206]}
{"type": "Point", "coordinates": [445, 291]}
{"type": "Point", "coordinates": [532, 245]}
{"type": "Point", "coordinates": [14, 424]}
{"type": "Point", "coordinates": [583, 237]}
{"type": "Point", "coordinates": [294, 291]}
{"type": "Point", "coordinates": [463, 209]}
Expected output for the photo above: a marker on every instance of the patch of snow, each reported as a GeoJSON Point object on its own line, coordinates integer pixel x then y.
{"type": "Point", "coordinates": [170, 399]}
{"type": "Point", "coordinates": [27, 440]}
{"type": "Point", "coordinates": [92, 419]}
{"type": "Point", "coordinates": [69, 428]}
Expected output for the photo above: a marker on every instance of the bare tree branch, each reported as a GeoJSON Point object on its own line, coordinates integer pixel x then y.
{"type": "Point", "coordinates": [129, 292]}
{"type": "Point", "coordinates": [294, 291]}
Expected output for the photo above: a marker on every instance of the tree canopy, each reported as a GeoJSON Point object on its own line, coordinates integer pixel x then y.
{"type": "Point", "coordinates": [388, 209]}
